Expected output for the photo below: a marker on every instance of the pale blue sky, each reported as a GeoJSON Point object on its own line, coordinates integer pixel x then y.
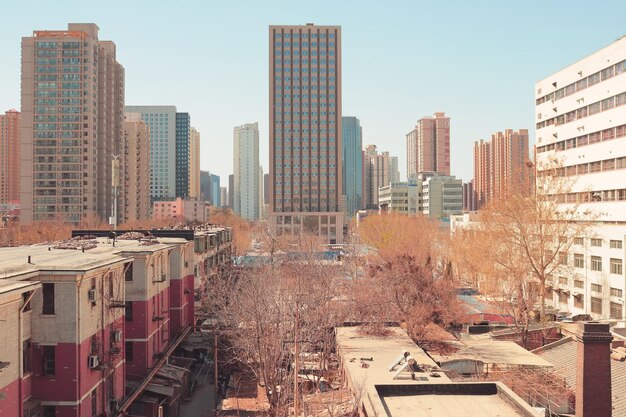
{"type": "Point", "coordinates": [475, 60]}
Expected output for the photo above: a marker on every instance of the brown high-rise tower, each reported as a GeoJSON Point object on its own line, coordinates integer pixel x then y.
{"type": "Point", "coordinates": [305, 130]}
{"type": "Point", "coordinates": [72, 124]}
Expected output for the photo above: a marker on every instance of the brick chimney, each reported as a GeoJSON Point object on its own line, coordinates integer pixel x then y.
{"type": "Point", "coordinates": [593, 370]}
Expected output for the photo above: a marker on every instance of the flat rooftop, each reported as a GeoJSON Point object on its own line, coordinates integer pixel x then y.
{"type": "Point", "coordinates": [366, 361]}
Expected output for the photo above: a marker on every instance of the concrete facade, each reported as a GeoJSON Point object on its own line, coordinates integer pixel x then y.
{"type": "Point", "coordinates": [134, 199]}
{"type": "Point", "coordinates": [10, 157]}
{"type": "Point", "coordinates": [246, 169]}
{"type": "Point", "coordinates": [183, 147]}
{"type": "Point", "coordinates": [194, 163]}
{"type": "Point", "coordinates": [428, 146]}
{"type": "Point", "coordinates": [55, 181]}
{"type": "Point", "coordinates": [186, 211]}
{"type": "Point", "coordinates": [306, 172]}
{"type": "Point", "coordinates": [581, 122]}
{"type": "Point", "coordinates": [352, 145]}
{"type": "Point", "coordinates": [161, 121]}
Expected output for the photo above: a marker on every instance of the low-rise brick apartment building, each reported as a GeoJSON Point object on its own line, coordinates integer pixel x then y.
{"type": "Point", "coordinates": [88, 321]}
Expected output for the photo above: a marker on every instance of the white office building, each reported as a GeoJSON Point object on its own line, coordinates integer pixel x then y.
{"type": "Point", "coordinates": [247, 172]}
{"type": "Point", "coordinates": [581, 121]}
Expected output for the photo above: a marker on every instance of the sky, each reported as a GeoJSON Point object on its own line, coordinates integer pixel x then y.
{"type": "Point", "coordinates": [476, 60]}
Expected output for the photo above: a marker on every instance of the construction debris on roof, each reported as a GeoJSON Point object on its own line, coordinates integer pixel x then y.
{"type": "Point", "coordinates": [78, 242]}
{"type": "Point", "coordinates": [132, 236]}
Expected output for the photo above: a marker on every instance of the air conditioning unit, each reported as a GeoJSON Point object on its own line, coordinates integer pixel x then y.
{"type": "Point", "coordinates": [117, 336]}
{"type": "Point", "coordinates": [93, 362]}
{"type": "Point", "coordinates": [93, 295]}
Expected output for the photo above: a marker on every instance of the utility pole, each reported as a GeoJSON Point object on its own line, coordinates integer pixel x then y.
{"type": "Point", "coordinates": [295, 362]}
{"type": "Point", "coordinates": [215, 369]}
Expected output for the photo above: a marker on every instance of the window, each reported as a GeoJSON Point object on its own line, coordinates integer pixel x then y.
{"type": "Point", "coordinates": [596, 263]}
{"type": "Point", "coordinates": [26, 297]}
{"type": "Point", "coordinates": [563, 298]}
{"type": "Point", "coordinates": [616, 292]}
{"type": "Point", "coordinates": [596, 287]}
{"type": "Point", "coordinates": [596, 305]}
{"type": "Point", "coordinates": [616, 311]}
{"type": "Point", "coordinates": [616, 266]}
{"type": "Point", "coordinates": [578, 283]}
{"type": "Point", "coordinates": [596, 242]}
{"type": "Point", "coordinates": [49, 411]}
{"type": "Point", "coordinates": [128, 347]}
{"type": "Point", "coordinates": [48, 360]}
{"type": "Point", "coordinates": [562, 258]}
{"type": "Point", "coordinates": [128, 273]}
{"type": "Point", "coordinates": [579, 241]}
{"type": "Point", "coordinates": [26, 368]}
{"type": "Point", "coordinates": [578, 302]}
{"type": "Point", "coordinates": [563, 280]}
{"type": "Point", "coordinates": [616, 244]}
{"type": "Point", "coordinates": [48, 298]}
{"type": "Point", "coordinates": [128, 311]}
{"type": "Point", "coordinates": [579, 260]}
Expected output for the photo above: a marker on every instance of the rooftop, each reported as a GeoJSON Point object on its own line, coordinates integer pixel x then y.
{"type": "Point", "coordinates": [367, 361]}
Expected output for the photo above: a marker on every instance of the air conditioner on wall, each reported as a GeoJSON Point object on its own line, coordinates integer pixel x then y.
{"type": "Point", "coordinates": [93, 361]}
{"type": "Point", "coordinates": [92, 294]}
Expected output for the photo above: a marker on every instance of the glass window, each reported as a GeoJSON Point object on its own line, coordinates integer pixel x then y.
{"type": "Point", "coordinates": [596, 263]}
{"type": "Point", "coordinates": [596, 305]}
{"type": "Point", "coordinates": [596, 287]}
{"type": "Point", "coordinates": [48, 298]}
{"type": "Point", "coordinates": [579, 260]}
{"type": "Point", "coordinates": [616, 311]}
{"type": "Point", "coordinates": [616, 244]}
{"type": "Point", "coordinates": [616, 266]}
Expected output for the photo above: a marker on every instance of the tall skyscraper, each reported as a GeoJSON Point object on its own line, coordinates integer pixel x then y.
{"type": "Point", "coordinates": [194, 163]}
{"type": "Point", "coordinates": [224, 196]}
{"type": "Point", "coordinates": [428, 146]}
{"type": "Point", "coordinates": [266, 189]}
{"type": "Point", "coordinates": [377, 174]}
{"type": "Point", "coordinates": [162, 123]}
{"type": "Point", "coordinates": [305, 130]}
{"type": "Point", "coordinates": [214, 190]}
{"type": "Point", "coordinates": [183, 136]}
{"type": "Point", "coordinates": [394, 173]}
{"type": "Point", "coordinates": [134, 177]}
{"type": "Point", "coordinates": [246, 171]}
{"type": "Point", "coordinates": [352, 164]}
{"type": "Point", "coordinates": [581, 122]}
{"type": "Point", "coordinates": [10, 157]}
{"type": "Point", "coordinates": [205, 185]}
{"type": "Point", "coordinates": [231, 192]}
{"type": "Point", "coordinates": [500, 166]}
{"type": "Point", "coordinates": [67, 140]}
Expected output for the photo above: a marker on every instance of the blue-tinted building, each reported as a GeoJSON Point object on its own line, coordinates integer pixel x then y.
{"type": "Point", "coordinates": [352, 167]}
{"type": "Point", "coordinates": [214, 193]}
{"type": "Point", "coordinates": [183, 132]}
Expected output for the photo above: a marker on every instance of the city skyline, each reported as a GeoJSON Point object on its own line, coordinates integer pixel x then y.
{"type": "Point", "coordinates": [386, 108]}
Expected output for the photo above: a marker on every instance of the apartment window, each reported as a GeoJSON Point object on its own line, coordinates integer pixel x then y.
{"type": "Point", "coordinates": [578, 283]}
{"type": "Point", "coordinates": [25, 297]}
{"type": "Point", "coordinates": [26, 368]}
{"type": "Point", "coordinates": [49, 411]}
{"type": "Point", "coordinates": [596, 242]}
{"type": "Point", "coordinates": [48, 298]}
{"type": "Point", "coordinates": [563, 298]}
{"type": "Point", "coordinates": [49, 360]}
{"type": "Point", "coordinates": [579, 241]}
{"type": "Point", "coordinates": [616, 292]}
{"type": "Point", "coordinates": [562, 258]}
{"type": "Point", "coordinates": [616, 311]}
{"type": "Point", "coordinates": [579, 260]}
{"type": "Point", "coordinates": [596, 263]}
{"type": "Point", "coordinates": [128, 348]}
{"type": "Point", "coordinates": [596, 287]}
{"type": "Point", "coordinates": [596, 305]}
{"type": "Point", "coordinates": [616, 266]}
{"type": "Point", "coordinates": [616, 244]}
{"type": "Point", "coordinates": [563, 280]}
{"type": "Point", "coordinates": [128, 273]}
{"type": "Point", "coordinates": [578, 302]}
{"type": "Point", "coordinates": [128, 311]}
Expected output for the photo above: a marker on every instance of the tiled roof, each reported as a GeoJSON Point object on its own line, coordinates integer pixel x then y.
{"type": "Point", "coordinates": [562, 354]}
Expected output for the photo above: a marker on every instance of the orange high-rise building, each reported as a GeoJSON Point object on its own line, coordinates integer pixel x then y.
{"type": "Point", "coordinates": [10, 157]}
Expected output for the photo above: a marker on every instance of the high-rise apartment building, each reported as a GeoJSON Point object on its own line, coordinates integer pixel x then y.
{"type": "Point", "coordinates": [501, 166]}
{"type": "Point", "coordinates": [72, 121]}
{"type": "Point", "coordinates": [183, 136]}
{"type": "Point", "coordinates": [231, 191]}
{"type": "Point", "coordinates": [246, 171]}
{"type": "Point", "coordinates": [394, 173]}
{"type": "Point", "coordinates": [305, 130]}
{"type": "Point", "coordinates": [205, 185]}
{"type": "Point", "coordinates": [10, 157]}
{"type": "Point", "coordinates": [581, 122]}
{"type": "Point", "coordinates": [377, 174]}
{"type": "Point", "coordinates": [134, 176]}
{"type": "Point", "coordinates": [224, 196]}
{"type": "Point", "coordinates": [428, 146]}
{"type": "Point", "coordinates": [194, 163]}
{"type": "Point", "coordinates": [352, 164]}
{"type": "Point", "coordinates": [214, 190]}
{"type": "Point", "coordinates": [469, 196]}
{"type": "Point", "coordinates": [266, 189]}
{"type": "Point", "coordinates": [161, 121]}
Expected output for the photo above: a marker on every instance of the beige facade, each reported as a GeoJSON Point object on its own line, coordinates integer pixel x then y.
{"type": "Point", "coordinates": [183, 210]}
{"type": "Point", "coordinates": [378, 170]}
{"type": "Point", "coordinates": [10, 157]}
{"type": "Point", "coordinates": [134, 191]}
{"type": "Point", "coordinates": [428, 146]}
{"type": "Point", "coordinates": [72, 107]}
{"type": "Point", "coordinates": [194, 163]}
{"type": "Point", "coordinates": [500, 166]}
{"type": "Point", "coordinates": [305, 129]}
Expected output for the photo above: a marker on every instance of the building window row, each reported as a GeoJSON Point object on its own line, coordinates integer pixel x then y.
{"type": "Point", "coordinates": [582, 112]}
{"type": "Point", "coordinates": [584, 140]}
{"type": "Point", "coordinates": [595, 78]}
{"type": "Point", "coordinates": [591, 196]}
